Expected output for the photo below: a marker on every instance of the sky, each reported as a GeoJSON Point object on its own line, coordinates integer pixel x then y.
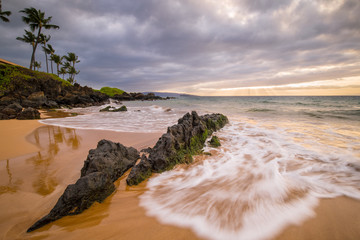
{"type": "Point", "coordinates": [201, 47]}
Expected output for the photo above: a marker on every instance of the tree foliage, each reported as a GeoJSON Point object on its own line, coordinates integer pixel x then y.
{"type": "Point", "coordinates": [37, 22]}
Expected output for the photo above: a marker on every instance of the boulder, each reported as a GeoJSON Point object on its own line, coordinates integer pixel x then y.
{"type": "Point", "coordinates": [3, 116]}
{"type": "Point", "coordinates": [38, 98]}
{"type": "Point", "coordinates": [109, 157]}
{"type": "Point", "coordinates": [114, 109]}
{"type": "Point", "coordinates": [103, 166]}
{"type": "Point", "coordinates": [29, 113]}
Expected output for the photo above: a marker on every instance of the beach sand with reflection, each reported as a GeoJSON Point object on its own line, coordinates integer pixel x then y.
{"type": "Point", "coordinates": [31, 183]}
{"type": "Point", "coordinates": [42, 160]}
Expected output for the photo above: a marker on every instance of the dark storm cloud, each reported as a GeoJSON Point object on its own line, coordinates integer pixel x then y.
{"type": "Point", "coordinates": [180, 44]}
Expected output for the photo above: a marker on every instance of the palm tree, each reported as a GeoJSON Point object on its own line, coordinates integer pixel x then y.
{"type": "Point", "coordinates": [63, 72]}
{"type": "Point", "coordinates": [56, 59]}
{"type": "Point", "coordinates": [37, 65]}
{"type": "Point", "coordinates": [37, 21]}
{"type": "Point", "coordinates": [44, 39]}
{"type": "Point", "coordinates": [72, 58]}
{"type": "Point", "coordinates": [52, 51]}
{"type": "Point", "coordinates": [72, 71]}
{"type": "Point", "coordinates": [28, 37]}
{"type": "Point", "coordinates": [3, 14]}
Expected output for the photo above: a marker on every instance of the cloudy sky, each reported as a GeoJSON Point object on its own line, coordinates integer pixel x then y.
{"type": "Point", "coordinates": [204, 47]}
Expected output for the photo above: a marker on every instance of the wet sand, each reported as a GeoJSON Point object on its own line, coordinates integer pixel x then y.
{"type": "Point", "coordinates": [31, 183]}
{"type": "Point", "coordinates": [336, 218]}
{"type": "Point", "coordinates": [12, 140]}
{"type": "Point", "coordinates": [49, 158]}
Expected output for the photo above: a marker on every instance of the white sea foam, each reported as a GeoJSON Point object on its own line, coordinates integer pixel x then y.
{"type": "Point", "coordinates": [137, 119]}
{"type": "Point", "coordinates": [255, 185]}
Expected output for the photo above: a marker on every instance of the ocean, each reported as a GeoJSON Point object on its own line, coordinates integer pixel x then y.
{"type": "Point", "coordinates": [278, 157]}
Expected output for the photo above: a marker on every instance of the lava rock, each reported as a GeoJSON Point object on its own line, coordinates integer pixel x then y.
{"type": "Point", "coordinates": [103, 166]}
{"type": "Point", "coordinates": [79, 197]}
{"type": "Point", "coordinates": [177, 146]}
{"type": "Point", "coordinates": [29, 113]}
{"type": "Point", "coordinates": [109, 157]}
{"type": "Point", "coordinates": [139, 172]}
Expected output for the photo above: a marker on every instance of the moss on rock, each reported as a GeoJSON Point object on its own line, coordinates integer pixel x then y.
{"type": "Point", "coordinates": [215, 142]}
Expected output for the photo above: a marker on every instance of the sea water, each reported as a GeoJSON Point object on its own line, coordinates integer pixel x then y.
{"type": "Point", "coordinates": [278, 157]}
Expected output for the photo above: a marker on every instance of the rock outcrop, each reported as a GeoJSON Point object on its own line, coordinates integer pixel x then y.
{"type": "Point", "coordinates": [28, 113]}
{"type": "Point", "coordinates": [34, 89]}
{"type": "Point", "coordinates": [103, 166]}
{"type": "Point", "coordinates": [138, 96]}
{"type": "Point", "coordinates": [114, 109]}
{"type": "Point", "coordinates": [177, 145]}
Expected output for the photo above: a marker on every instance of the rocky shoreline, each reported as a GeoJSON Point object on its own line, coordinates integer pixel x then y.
{"type": "Point", "coordinates": [23, 89]}
{"type": "Point", "coordinates": [109, 161]}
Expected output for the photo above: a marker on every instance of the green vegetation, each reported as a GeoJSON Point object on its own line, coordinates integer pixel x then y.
{"type": "Point", "coordinates": [111, 91]}
{"type": "Point", "coordinates": [9, 74]}
{"type": "Point", "coordinates": [71, 59]}
{"type": "Point", "coordinates": [185, 153]}
{"type": "Point", "coordinates": [215, 142]}
{"type": "Point", "coordinates": [113, 109]}
{"type": "Point", "coordinates": [4, 14]}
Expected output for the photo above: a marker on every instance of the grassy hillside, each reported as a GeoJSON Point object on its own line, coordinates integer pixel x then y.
{"type": "Point", "coordinates": [111, 91]}
{"type": "Point", "coordinates": [14, 74]}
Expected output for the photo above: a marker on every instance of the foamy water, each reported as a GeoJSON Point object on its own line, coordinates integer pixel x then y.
{"type": "Point", "coordinates": [140, 119]}
{"type": "Point", "coordinates": [256, 184]}
{"type": "Point", "coordinates": [279, 157]}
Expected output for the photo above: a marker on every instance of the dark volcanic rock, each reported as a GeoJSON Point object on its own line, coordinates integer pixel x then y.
{"type": "Point", "coordinates": [114, 109]}
{"type": "Point", "coordinates": [78, 197]}
{"type": "Point", "coordinates": [111, 158]}
{"type": "Point", "coordinates": [103, 166]}
{"type": "Point", "coordinates": [29, 113]}
{"type": "Point", "coordinates": [178, 145]}
{"type": "Point", "coordinates": [3, 116]}
{"type": "Point", "coordinates": [12, 110]}
{"type": "Point", "coordinates": [137, 96]}
{"type": "Point", "coordinates": [139, 172]}
{"type": "Point", "coordinates": [41, 90]}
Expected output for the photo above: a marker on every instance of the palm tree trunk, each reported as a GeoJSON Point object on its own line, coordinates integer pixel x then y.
{"type": "Point", "coordinates": [34, 49]}
{"type": "Point", "coordinates": [46, 59]}
{"type": "Point", "coordinates": [52, 67]}
{"type": "Point", "coordinates": [32, 60]}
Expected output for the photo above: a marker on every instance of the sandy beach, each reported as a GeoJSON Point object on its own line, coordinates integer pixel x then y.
{"type": "Point", "coordinates": [37, 162]}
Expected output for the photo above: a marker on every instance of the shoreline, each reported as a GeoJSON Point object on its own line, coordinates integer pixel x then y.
{"type": "Point", "coordinates": [48, 158]}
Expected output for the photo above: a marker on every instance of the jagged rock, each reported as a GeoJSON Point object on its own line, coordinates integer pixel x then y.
{"type": "Point", "coordinates": [3, 116]}
{"type": "Point", "coordinates": [111, 158]}
{"type": "Point", "coordinates": [12, 110]}
{"type": "Point", "coordinates": [29, 113]}
{"type": "Point", "coordinates": [178, 145]}
{"type": "Point", "coordinates": [51, 104]}
{"type": "Point", "coordinates": [139, 172]}
{"type": "Point", "coordinates": [41, 90]}
{"type": "Point", "coordinates": [38, 98]}
{"type": "Point", "coordinates": [136, 96]}
{"type": "Point", "coordinates": [78, 197]}
{"type": "Point", "coordinates": [103, 166]}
